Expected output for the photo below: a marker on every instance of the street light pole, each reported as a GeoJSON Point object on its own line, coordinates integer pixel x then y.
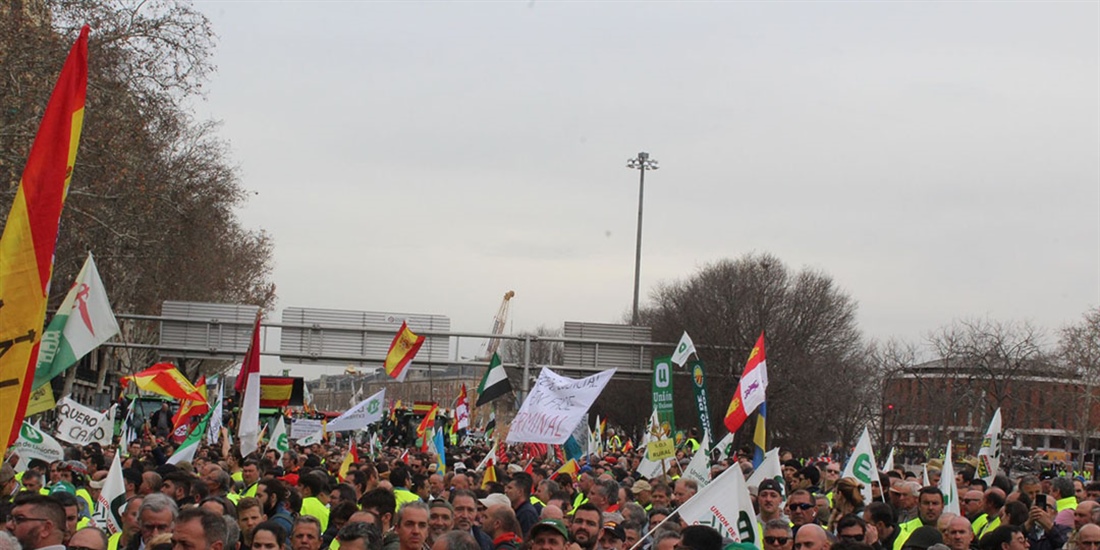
{"type": "Point", "coordinates": [641, 163]}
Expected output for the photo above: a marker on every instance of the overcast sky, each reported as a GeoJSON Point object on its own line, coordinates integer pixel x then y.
{"type": "Point", "coordinates": [938, 160]}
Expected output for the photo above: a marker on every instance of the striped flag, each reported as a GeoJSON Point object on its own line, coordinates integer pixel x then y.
{"type": "Point", "coordinates": [402, 350]}
{"type": "Point", "coordinates": [165, 379]}
{"type": "Point", "coordinates": [760, 436]}
{"type": "Point", "coordinates": [189, 407]}
{"type": "Point", "coordinates": [750, 390]}
{"type": "Point", "coordinates": [248, 383]}
{"type": "Point", "coordinates": [30, 236]}
{"type": "Point", "coordinates": [494, 384]}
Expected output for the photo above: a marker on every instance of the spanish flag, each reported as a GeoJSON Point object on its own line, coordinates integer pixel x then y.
{"type": "Point", "coordinates": [490, 475]}
{"type": "Point", "coordinates": [402, 350]}
{"type": "Point", "coordinates": [425, 427]}
{"type": "Point", "coordinates": [570, 468]}
{"type": "Point", "coordinates": [165, 379]}
{"type": "Point", "coordinates": [30, 237]}
{"type": "Point", "coordinates": [349, 459]}
{"type": "Point", "coordinates": [190, 407]}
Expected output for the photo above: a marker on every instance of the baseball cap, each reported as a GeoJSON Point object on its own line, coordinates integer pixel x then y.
{"type": "Point", "coordinates": [63, 487]}
{"type": "Point", "coordinates": [496, 499]}
{"type": "Point", "coordinates": [615, 530]}
{"type": "Point", "coordinates": [769, 485]}
{"type": "Point", "coordinates": [555, 524]}
{"type": "Point", "coordinates": [640, 486]}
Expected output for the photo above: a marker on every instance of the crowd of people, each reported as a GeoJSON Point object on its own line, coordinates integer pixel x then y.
{"type": "Point", "coordinates": [310, 498]}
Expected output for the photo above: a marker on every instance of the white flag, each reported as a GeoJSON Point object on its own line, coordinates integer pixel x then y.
{"type": "Point", "coordinates": [889, 464]}
{"type": "Point", "coordinates": [111, 500]}
{"type": "Point", "coordinates": [725, 505]}
{"type": "Point", "coordinates": [699, 467]}
{"type": "Point", "coordinates": [989, 456]}
{"type": "Point", "coordinates": [925, 482]}
{"type": "Point", "coordinates": [83, 321]}
{"type": "Point", "coordinates": [129, 428]}
{"type": "Point", "coordinates": [683, 350]}
{"type": "Point", "coordinates": [947, 484]}
{"type": "Point", "coordinates": [723, 446]}
{"type": "Point", "coordinates": [214, 428]}
{"type": "Point", "coordinates": [279, 441]}
{"type": "Point", "coordinates": [360, 416]}
{"type": "Point", "coordinates": [861, 465]}
{"type": "Point", "coordinates": [491, 455]}
{"type": "Point", "coordinates": [34, 443]}
{"type": "Point", "coordinates": [769, 468]}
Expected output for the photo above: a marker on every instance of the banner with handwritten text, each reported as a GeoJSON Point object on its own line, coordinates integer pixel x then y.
{"type": "Point", "coordinates": [554, 407]}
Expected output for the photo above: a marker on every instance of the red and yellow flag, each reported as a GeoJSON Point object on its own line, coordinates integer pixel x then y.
{"type": "Point", "coordinates": [30, 237]}
{"type": "Point", "coordinates": [426, 425]}
{"type": "Point", "coordinates": [402, 350]}
{"type": "Point", "coordinates": [570, 468]}
{"type": "Point", "coordinates": [164, 379]}
{"type": "Point", "coordinates": [351, 458]}
{"type": "Point", "coordinates": [190, 407]}
{"type": "Point", "coordinates": [490, 475]}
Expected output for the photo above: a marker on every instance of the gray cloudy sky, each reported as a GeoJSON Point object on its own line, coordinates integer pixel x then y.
{"type": "Point", "coordinates": [939, 160]}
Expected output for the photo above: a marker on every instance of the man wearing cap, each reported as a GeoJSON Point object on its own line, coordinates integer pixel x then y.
{"type": "Point", "coordinates": [549, 534]}
{"type": "Point", "coordinates": [441, 518]}
{"type": "Point", "coordinates": [612, 536]}
{"type": "Point", "coordinates": [904, 496]}
{"type": "Point", "coordinates": [769, 498]}
{"type": "Point", "coordinates": [643, 494]}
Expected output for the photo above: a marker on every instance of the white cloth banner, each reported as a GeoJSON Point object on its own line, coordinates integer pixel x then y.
{"type": "Point", "coordinates": [34, 443]}
{"type": "Point", "coordinates": [554, 407]}
{"type": "Point", "coordinates": [683, 350]}
{"type": "Point", "coordinates": [861, 465]}
{"type": "Point", "coordinates": [725, 505]}
{"type": "Point", "coordinates": [82, 425]}
{"type": "Point", "coordinates": [312, 439]}
{"type": "Point", "coordinates": [367, 412]}
{"type": "Point", "coordinates": [304, 427]}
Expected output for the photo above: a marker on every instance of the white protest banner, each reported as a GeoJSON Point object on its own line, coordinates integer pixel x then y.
{"type": "Point", "coordinates": [304, 427]}
{"type": "Point", "coordinates": [769, 468]}
{"type": "Point", "coordinates": [947, 483]}
{"type": "Point", "coordinates": [367, 412]}
{"type": "Point", "coordinates": [313, 438]}
{"type": "Point", "coordinates": [726, 506]}
{"type": "Point", "coordinates": [554, 407]}
{"type": "Point", "coordinates": [33, 443]}
{"type": "Point", "coordinates": [861, 465]}
{"type": "Point", "coordinates": [81, 425]}
{"type": "Point", "coordinates": [111, 500]}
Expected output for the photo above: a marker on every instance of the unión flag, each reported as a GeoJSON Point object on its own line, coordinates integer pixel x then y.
{"type": "Point", "coordinates": [699, 467]}
{"type": "Point", "coordinates": [683, 350]}
{"type": "Point", "coordinates": [360, 416]}
{"type": "Point", "coordinates": [111, 501]}
{"type": "Point", "coordinates": [186, 450]}
{"type": "Point", "coordinates": [725, 505]}
{"type": "Point", "coordinates": [861, 465]}
{"type": "Point", "coordinates": [947, 483]}
{"type": "Point", "coordinates": [30, 236]}
{"type": "Point", "coordinates": [164, 379]}
{"type": "Point", "coordinates": [750, 390]}
{"type": "Point", "coordinates": [83, 321]}
{"type": "Point", "coordinates": [279, 441]}
{"type": "Point", "coordinates": [248, 382]}
{"type": "Point", "coordinates": [494, 384]}
{"type": "Point", "coordinates": [402, 350]}
{"type": "Point", "coordinates": [34, 443]}
{"type": "Point", "coordinates": [770, 468]}
{"type": "Point", "coordinates": [989, 456]}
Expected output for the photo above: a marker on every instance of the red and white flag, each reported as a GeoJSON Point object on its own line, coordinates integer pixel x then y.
{"type": "Point", "coordinates": [750, 390]}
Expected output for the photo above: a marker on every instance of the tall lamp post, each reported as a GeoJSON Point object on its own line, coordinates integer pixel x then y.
{"type": "Point", "coordinates": [641, 163]}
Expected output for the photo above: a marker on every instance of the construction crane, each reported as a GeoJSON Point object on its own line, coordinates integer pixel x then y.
{"type": "Point", "coordinates": [499, 321]}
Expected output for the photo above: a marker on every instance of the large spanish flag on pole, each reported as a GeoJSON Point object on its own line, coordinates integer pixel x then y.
{"type": "Point", "coordinates": [30, 237]}
{"type": "Point", "coordinates": [402, 350]}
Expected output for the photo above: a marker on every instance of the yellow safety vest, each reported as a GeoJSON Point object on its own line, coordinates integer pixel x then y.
{"type": "Point", "coordinates": [311, 506]}
{"type": "Point", "coordinates": [906, 529]}
{"type": "Point", "coordinates": [113, 540]}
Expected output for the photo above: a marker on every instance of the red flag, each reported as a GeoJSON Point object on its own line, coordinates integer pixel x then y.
{"type": "Point", "coordinates": [251, 363]}
{"type": "Point", "coordinates": [750, 390]}
{"type": "Point", "coordinates": [165, 379]}
{"type": "Point", "coordinates": [191, 407]}
{"type": "Point", "coordinates": [30, 236]}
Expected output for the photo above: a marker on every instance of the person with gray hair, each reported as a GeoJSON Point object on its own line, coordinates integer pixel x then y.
{"type": "Point", "coordinates": [89, 538]}
{"type": "Point", "coordinates": [412, 525]}
{"type": "Point", "coordinates": [456, 540]}
{"type": "Point", "coordinates": [199, 529]}
{"type": "Point", "coordinates": [9, 542]}
{"type": "Point", "coordinates": [232, 533]}
{"type": "Point", "coordinates": [665, 539]}
{"type": "Point", "coordinates": [157, 515]}
{"type": "Point", "coordinates": [359, 536]}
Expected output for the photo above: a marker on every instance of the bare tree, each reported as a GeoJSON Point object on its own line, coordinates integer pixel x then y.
{"type": "Point", "coordinates": [543, 352]}
{"type": "Point", "coordinates": [813, 345]}
{"type": "Point", "coordinates": [1079, 351]}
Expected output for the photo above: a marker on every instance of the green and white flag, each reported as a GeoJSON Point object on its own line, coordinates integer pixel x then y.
{"type": "Point", "coordinates": [683, 350]}
{"type": "Point", "coordinates": [699, 467]}
{"type": "Point", "coordinates": [947, 484]}
{"type": "Point", "coordinates": [214, 429]}
{"type": "Point", "coordinates": [279, 440]}
{"type": "Point", "coordinates": [34, 443]}
{"type": "Point", "coordinates": [111, 502]}
{"type": "Point", "coordinates": [494, 384]}
{"type": "Point", "coordinates": [989, 456]}
{"type": "Point", "coordinates": [361, 415]}
{"type": "Point", "coordinates": [770, 468]}
{"type": "Point", "coordinates": [726, 506]}
{"type": "Point", "coordinates": [861, 465]}
{"type": "Point", "coordinates": [82, 322]}
{"type": "Point", "coordinates": [186, 450]}
{"type": "Point", "coordinates": [889, 464]}
{"type": "Point", "coordinates": [312, 439]}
